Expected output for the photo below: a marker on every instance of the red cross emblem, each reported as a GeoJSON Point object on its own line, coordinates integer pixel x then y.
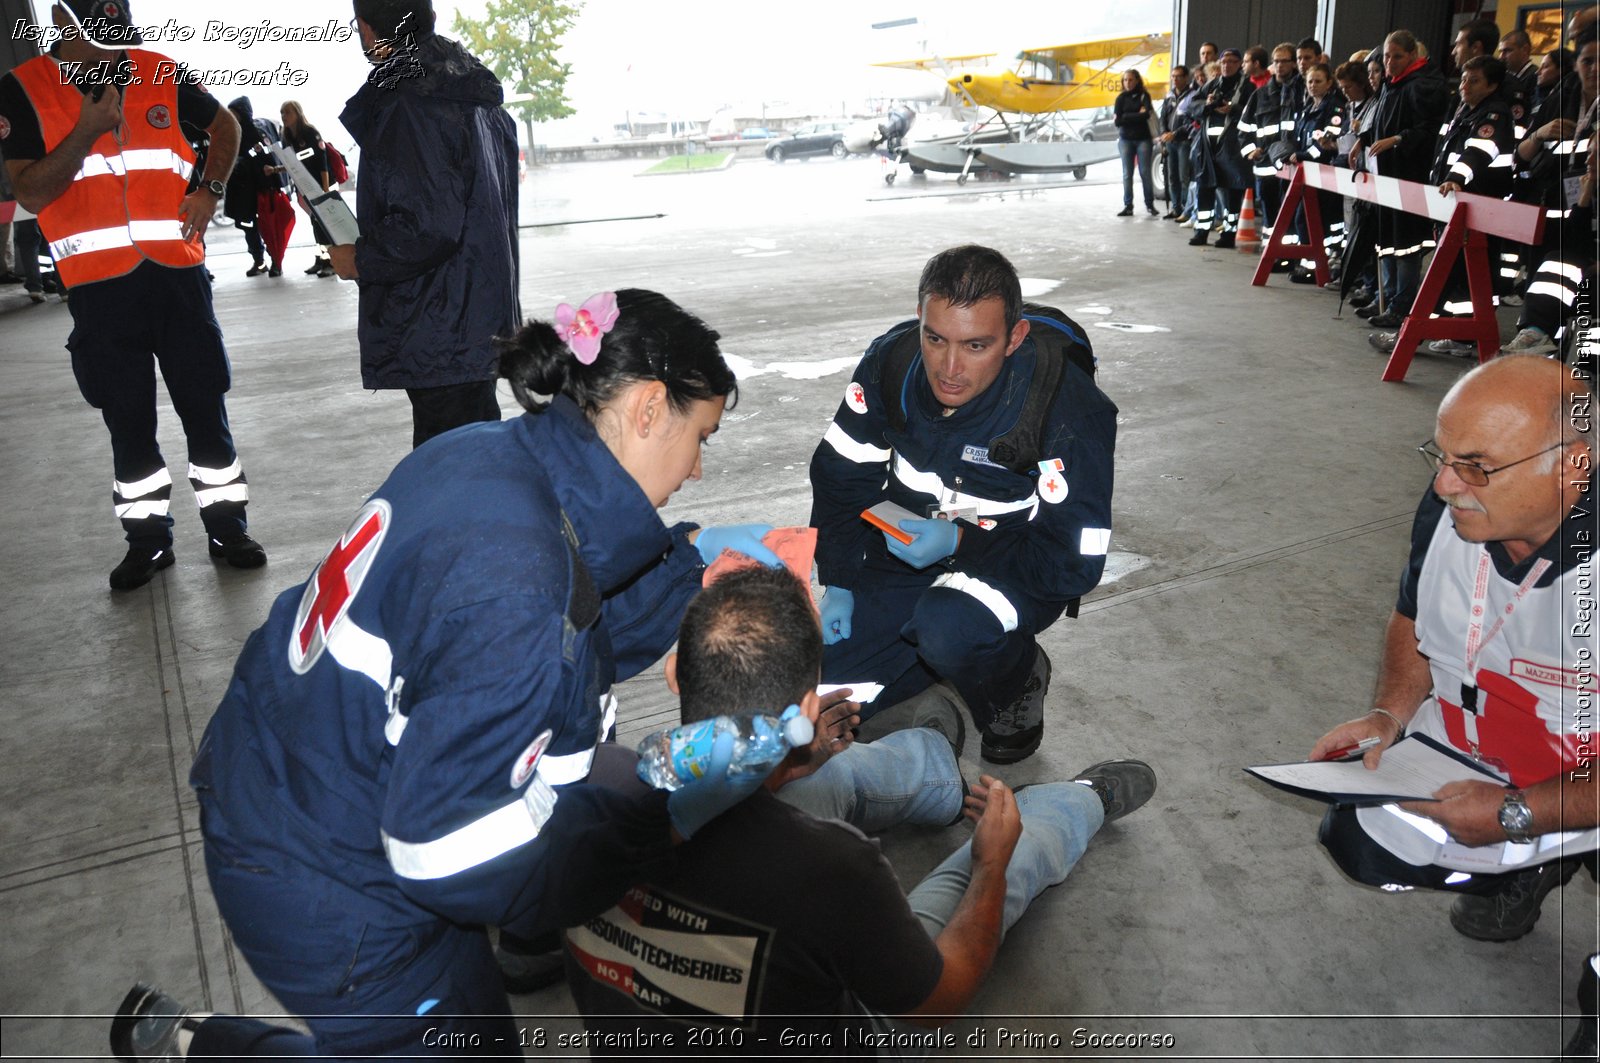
{"type": "Point", "coordinates": [333, 586]}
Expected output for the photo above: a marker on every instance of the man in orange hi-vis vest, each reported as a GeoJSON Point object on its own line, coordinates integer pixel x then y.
{"type": "Point", "coordinates": [92, 141]}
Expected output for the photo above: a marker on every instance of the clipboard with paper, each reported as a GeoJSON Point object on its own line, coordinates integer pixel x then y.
{"type": "Point", "coordinates": [1413, 769]}
{"type": "Point", "coordinates": [328, 207]}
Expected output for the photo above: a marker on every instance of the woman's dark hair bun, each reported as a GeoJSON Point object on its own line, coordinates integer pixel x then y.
{"type": "Point", "coordinates": [535, 362]}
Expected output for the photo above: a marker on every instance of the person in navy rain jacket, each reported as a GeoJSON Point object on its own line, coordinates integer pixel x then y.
{"type": "Point", "coordinates": [397, 761]}
{"type": "Point", "coordinates": [436, 195]}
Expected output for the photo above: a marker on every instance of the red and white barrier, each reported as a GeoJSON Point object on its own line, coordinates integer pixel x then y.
{"type": "Point", "coordinates": [1468, 219]}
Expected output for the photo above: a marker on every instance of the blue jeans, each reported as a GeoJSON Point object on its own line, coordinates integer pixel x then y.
{"type": "Point", "coordinates": [907, 776]}
{"type": "Point", "coordinates": [1058, 819]}
{"type": "Point", "coordinates": [1402, 276]}
{"type": "Point", "coordinates": [1129, 150]}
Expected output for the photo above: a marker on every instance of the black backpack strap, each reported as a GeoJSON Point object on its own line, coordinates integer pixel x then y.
{"type": "Point", "coordinates": [901, 347]}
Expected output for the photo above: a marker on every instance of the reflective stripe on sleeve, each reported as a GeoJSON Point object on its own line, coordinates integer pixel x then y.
{"type": "Point", "coordinates": [567, 768]}
{"type": "Point", "coordinates": [990, 597]}
{"type": "Point", "coordinates": [853, 449]}
{"type": "Point", "coordinates": [1094, 542]}
{"type": "Point", "coordinates": [361, 651]}
{"type": "Point", "coordinates": [928, 483]}
{"type": "Point", "coordinates": [507, 827]}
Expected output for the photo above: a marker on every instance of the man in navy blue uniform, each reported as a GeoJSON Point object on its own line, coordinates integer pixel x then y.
{"type": "Point", "coordinates": [973, 418]}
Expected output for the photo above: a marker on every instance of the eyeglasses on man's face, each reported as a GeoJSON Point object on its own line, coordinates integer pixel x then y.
{"type": "Point", "coordinates": [1470, 472]}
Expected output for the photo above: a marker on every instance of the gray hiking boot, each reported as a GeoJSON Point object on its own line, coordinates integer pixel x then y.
{"type": "Point", "coordinates": [1018, 728]}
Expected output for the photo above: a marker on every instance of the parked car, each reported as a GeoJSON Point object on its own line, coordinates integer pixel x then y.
{"type": "Point", "coordinates": [756, 132]}
{"type": "Point", "coordinates": [814, 138]}
{"type": "Point", "coordinates": [1100, 126]}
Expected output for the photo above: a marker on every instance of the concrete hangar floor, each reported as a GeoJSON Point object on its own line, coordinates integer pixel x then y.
{"type": "Point", "coordinates": [1265, 486]}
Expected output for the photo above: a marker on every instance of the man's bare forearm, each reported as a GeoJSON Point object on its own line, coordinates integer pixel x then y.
{"type": "Point", "coordinates": [1403, 676]}
{"type": "Point", "coordinates": [967, 944]}
{"type": "Point", "coordinates": [42, 181]}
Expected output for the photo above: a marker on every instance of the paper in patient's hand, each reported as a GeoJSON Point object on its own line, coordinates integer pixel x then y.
{"type": "Point", "coordinates": [1413, 769]}
{"type": "Point", "coordinates": [860, 693]}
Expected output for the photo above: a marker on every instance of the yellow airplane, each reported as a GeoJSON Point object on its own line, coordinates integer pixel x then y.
{"type": "Point", "coordinates": [1074, 76]}
{"type": "Point", "coordinates": [1047, 82]}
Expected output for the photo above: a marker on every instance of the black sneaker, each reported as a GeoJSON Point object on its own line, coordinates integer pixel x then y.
{"type": "Point", "coordinates": [1123, 785]}
{"type": "Point", "coordinates": [1369, 310]}
{"type": "Point", "coordinates": [1303, 276]}
{"type": "Point", "coordinates": [1387, 319]}
{"type": "Point", "coordinates": [1018, 728]}
{"type": "Point", "coordinates": [1510, 912]}
{"type": "Point", "coordinates": [1126, 212]}
{"type": "Point", "coordinates": [316, 267]}
{"type": "Point", "coordinates": [146, 1025]}
{"type": "Point", "coordinates": [1363, 298]}
{"type": "Point", "coordinates": [937, 712]}
{"type": "Point", "coordinates": [1282, 266]}
{"type": "Point", "coordinates": [256, 270]}
{"type": "Point", "coordinates": [1225, 241]}
{"type": "Point", "coordinates": [1199, 238]}
{"type": "Point", "coordinates": [140, 566]}
{"type": "Point", "coordinates": [1152, 211]}
{"type": "Point", "coordinates": [243, 552]}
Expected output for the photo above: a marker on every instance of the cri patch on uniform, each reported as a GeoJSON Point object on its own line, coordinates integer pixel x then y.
{"type": "Point", "coordinates": [525, 765]}
{"type": "Point", "coordinates": [855, 397]}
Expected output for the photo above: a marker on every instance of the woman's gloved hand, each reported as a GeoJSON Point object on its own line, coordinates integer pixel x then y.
{"type": "Point", "coordinates": [935, 540]}
{"type": "Point", "coordinates": [838, 605]}
{"type": "Point", "coordinates": [697, 803]}
{"type": "Point", "coordinates": [740, 538]}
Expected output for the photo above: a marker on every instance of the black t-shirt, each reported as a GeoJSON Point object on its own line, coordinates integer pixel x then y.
{"type": "Point", "coordinates": [771, 922]}
{"type": "Point", "coordinates": [21, 139]}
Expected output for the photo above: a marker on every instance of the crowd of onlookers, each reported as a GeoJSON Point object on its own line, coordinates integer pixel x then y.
{"type": "Point", "coordinates": [1495, 120]}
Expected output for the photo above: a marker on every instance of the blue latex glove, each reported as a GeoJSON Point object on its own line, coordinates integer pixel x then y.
{"type": "Point", "coordinates": [695, 804]}
{"type": "Point", "coordinates": [935, 540]}
{"type": "Point", "coordinates": [838, 605]}
{"type": "Point", "coordinates": [741, 539]}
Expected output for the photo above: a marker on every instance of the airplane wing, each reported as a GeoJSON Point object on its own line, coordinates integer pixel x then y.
{"type": "Point", "coordinates": [1107, 50]}
{"type": "Point", "coordinates": [936, 62]}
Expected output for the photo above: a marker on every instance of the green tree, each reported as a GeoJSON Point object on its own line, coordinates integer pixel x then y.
{"type": "Point", "coordinates": [517, 39]}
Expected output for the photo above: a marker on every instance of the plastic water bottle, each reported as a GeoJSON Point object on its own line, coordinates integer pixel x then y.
{"type": "Point", "coordinates": [669, 759]}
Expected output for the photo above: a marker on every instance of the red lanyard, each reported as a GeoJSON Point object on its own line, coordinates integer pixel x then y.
{"type": "Point", "coordinates": [1477, 638]}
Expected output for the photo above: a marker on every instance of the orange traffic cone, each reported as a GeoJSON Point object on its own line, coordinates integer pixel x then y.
{"type": "Point", "coordinates": [1248, 239]}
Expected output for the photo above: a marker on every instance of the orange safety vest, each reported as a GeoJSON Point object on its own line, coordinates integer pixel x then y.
{"type": "Point", "coordinates": [122, 206]}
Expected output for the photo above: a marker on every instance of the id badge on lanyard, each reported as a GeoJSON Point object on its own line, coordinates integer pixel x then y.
{"type": "Point", "coordinates": [1477, 638]}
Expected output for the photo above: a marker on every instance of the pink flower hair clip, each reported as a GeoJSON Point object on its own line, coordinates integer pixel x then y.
{"type": "Point", "coordinates": [582, 328]}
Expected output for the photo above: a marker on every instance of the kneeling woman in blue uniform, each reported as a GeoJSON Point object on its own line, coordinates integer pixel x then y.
{"type": "Point", "coordinates": [396, 762]}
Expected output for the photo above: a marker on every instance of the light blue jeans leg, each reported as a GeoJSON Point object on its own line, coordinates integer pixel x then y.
{"type": "Point", "coordinates": [908, 776]}
{"type": "Point", "coordinates": [1128, 149]}
{"type": "Point", "coordinates": [1058, 819]}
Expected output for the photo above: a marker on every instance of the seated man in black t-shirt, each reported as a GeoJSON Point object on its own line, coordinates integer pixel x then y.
{"type": "Point", "coordinates": [777, 923]}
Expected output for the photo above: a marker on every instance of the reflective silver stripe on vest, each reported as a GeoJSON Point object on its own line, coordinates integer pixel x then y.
{"type": "Point", "coordinates": [511, 825]}
{"type": "Point", "coordinates": [134, 159]}
{"type": "Point", "coordinates": [929, 484]}
{"type": "Point", "coordinates": [853, 449]}
{"type": "Point", "coordinates": [113, 238]}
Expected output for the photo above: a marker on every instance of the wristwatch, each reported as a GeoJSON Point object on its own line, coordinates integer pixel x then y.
{"type": "Point", "coordinates": [216, 188]}
{"type": "Point", "coordinates": [1516, 818]}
